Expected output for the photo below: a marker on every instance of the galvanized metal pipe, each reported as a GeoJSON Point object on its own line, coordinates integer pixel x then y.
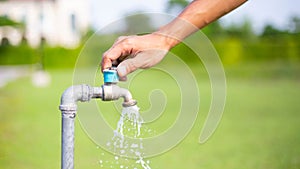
{"type": "Point", "coordinates": [68, 107]}
{"type": "Point", "coordinates": [67, 146]}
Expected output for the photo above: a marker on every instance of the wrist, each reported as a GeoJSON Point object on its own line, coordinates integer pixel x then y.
{"type": "Point", "coordinates": [168, 41]}
{"type": "Point", "coordinates": [176, 31]}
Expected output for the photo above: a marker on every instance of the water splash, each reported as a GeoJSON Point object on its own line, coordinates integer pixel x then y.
{"type": "Point", "coordinates": [144, 164]}
{"type": "Point", "coordinates": [129, 124]}
{"type": "Point", "coordinates": [133, 116]}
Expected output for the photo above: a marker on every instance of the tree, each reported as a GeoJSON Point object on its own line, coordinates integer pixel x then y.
{"type": "Point", "coordinates": [177, 4]}
{"type": "Point", "coordinates": [243, 30]}
{"type": "Point", "coordinates": [214, 29]}
{"type": "Point", "coordinates": [5, 21]}
{"type": "Point", "coordinates": [270, 30]}
{"type": "Point", "coordinates": [294, 24]}
{"type": "Point", "coordinates": [137, 24]}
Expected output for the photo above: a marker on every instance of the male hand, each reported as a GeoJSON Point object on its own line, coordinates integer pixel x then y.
{"type": "Point", "coordinates": [129, 53]}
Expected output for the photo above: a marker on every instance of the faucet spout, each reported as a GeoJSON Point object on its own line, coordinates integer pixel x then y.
{"type": "Point", "coordinates": [114, 92]}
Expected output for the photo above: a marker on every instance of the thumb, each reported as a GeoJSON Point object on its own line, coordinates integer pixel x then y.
{"type": "Point", "coordinates": [126, 67]}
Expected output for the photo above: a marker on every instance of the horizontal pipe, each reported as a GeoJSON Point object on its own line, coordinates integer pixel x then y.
{"type": "Point", "coordinates": [84, 93]}
{"type": "Point", "coordinates": [77, 93]}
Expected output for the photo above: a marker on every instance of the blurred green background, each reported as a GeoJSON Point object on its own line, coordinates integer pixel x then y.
{"type": "Point", "coordinates": [259, 129]}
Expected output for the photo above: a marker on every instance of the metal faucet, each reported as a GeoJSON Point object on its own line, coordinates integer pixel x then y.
{"type": "Point", "coordinates": [84, 93]}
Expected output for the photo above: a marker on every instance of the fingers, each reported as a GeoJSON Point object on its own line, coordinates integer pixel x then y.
{"type": "Point", "coordinates": [143, 60]}
{"type": "Point", "coordinates": [110, 56]}
{"type": "Point", "coordinates": [119, 51]}
{"type": "Point", "coordinates": [132, 52]}
{"type": "Point", "coordinates": [126, 67]}
{"type": "Point", "coordinates": [105, 63]}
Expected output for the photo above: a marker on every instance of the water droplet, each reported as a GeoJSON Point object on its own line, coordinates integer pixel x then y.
{"type": "Point", "coordinates": [134, 145]}
{"type": "Point", "coordinates": [108, 144]}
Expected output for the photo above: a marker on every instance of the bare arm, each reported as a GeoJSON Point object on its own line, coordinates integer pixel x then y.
{"type": "Point", "coordinates": [197, 15]}
{"type": "Point", "coordinates": [133, 52]}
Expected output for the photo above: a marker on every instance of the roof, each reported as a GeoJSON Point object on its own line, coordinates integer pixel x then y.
{"type": "Point", "coordinates": [26, 0]}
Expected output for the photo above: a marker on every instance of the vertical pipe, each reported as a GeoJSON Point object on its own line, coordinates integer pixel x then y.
{"type": "Point", "coordinates": [68, 109]}
{"type": "Point", "coordinates": [67, 146]}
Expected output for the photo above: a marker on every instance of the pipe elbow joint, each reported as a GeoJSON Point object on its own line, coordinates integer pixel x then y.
{"type": "Point", "coordinates": [74, 94]}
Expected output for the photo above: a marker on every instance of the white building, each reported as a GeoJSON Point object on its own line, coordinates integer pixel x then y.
{"type": "Point", "coordinates": [59, 22]}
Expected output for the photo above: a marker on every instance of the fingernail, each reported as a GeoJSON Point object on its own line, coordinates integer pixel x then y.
{"type": "Point", "coordinates": [122, 70]}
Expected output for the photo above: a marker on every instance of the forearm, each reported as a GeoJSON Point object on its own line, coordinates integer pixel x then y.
{"type": "Point", "coordinates": [195, 16]}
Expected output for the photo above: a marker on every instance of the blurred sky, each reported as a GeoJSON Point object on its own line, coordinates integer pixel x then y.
{"type": "Point", "coordinates": [260, 12]}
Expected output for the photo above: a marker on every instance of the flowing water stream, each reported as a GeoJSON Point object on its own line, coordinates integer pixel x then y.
{"type": "Point", "coordinates": [129, 125]}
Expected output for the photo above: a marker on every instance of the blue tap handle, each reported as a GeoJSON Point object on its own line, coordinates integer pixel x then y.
{"type": "Point", "coordinates": [110, 75]}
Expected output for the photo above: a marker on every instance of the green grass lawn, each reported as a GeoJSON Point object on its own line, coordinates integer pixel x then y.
{"type": "Point", "coordinates": [259, 129]}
